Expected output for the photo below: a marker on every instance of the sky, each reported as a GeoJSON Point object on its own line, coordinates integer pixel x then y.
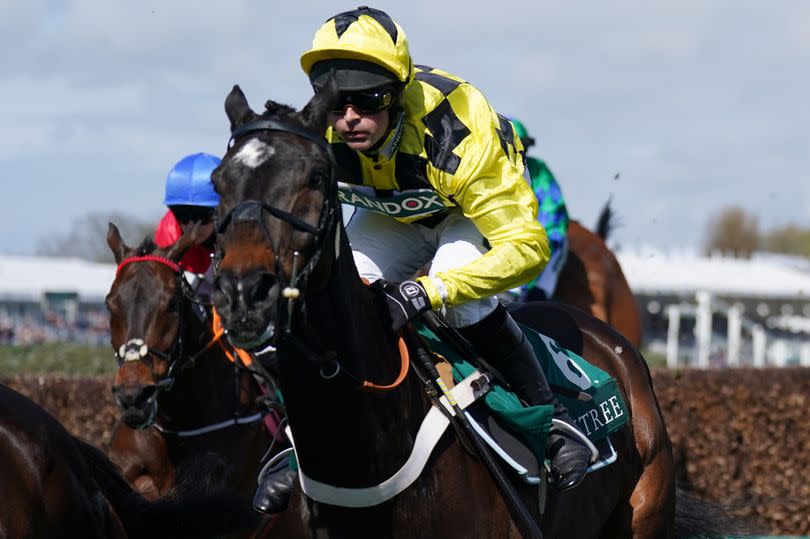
{"type": "Point", "coordinates": [697, 105]}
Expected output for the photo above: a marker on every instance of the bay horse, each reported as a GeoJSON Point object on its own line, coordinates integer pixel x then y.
{"type": "Point", "coordinates": [181, 396]}
{"type": "Point", "coordinates": [592, 279]}
{"type": "Point", "coordinates": [55, 486]}
{"type": "Point", "coordinates": [286, 273]}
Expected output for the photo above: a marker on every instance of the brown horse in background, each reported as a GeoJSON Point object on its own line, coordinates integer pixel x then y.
{"type": "Point", "coordinates": [175, 380]}
{"type": "Point", "coordinates": [593, 281]}
{"type": "Point", "coordinates": [286, 271]}
{"type": "Point", "coordinates": [54, 486]}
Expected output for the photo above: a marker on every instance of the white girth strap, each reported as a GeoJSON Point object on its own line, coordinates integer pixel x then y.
{"type": "Point", "coordinates": [431, 430]}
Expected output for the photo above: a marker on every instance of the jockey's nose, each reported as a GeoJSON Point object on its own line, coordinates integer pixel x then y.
{"type": "Point", "coordinates": [351, 115]}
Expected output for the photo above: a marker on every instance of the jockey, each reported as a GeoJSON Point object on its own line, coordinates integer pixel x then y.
{"type": "Point", "coordinates": [552, 214]}
{"type": "Point", "coordinates": [191, 198]}
{"type": "Point", "coordinates": [436, 176]}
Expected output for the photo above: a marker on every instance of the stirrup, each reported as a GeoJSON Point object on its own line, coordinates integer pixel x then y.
{"type": "Point", "coordinates": [576, 433]}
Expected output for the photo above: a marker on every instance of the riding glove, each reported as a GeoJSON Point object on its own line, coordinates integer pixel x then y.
{"type": "Point", "coordinates": [406, 301]}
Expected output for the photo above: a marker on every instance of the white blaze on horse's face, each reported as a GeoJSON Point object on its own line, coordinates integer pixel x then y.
{"type": "Point", "coordinates": [254, 153]}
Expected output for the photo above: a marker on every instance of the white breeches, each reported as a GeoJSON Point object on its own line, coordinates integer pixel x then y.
{"type": "Point", "coordinates": [386, 248]}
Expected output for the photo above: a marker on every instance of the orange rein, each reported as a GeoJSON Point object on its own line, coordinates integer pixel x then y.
{"type": "Point", "coordinates": [405, 363]}
{"type": "Point", "coordinates": [404, 355]}
{"type": "Point", "coordinates": [219, 331]}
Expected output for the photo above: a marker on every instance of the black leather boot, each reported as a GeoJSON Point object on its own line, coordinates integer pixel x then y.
{"type": "Point", "coordinates": [500, 340]}
{"type": "Point", "coordinates": [274, 491]}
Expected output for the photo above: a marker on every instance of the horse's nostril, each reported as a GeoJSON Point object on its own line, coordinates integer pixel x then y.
{"type": "Point", "coordinates": [148, 392]}
{"type": "Point", "coordinates": [261, 290]}
{"type": "Point", "coordinates": [225, 289]}
{"type": "Point", "coordinates": [137, 396]}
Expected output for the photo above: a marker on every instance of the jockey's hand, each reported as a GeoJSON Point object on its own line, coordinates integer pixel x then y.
{"type": "Point", "coordinates": [406, 301]}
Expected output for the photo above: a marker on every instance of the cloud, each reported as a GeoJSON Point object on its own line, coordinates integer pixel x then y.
{"type": "Point", "coordinates": [697, 104]}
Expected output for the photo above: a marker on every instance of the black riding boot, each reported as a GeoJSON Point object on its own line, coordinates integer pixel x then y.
{"type": "Point", "coordinates": [500, 341]}
{"type": "Point", "coordinates": [274, 491]}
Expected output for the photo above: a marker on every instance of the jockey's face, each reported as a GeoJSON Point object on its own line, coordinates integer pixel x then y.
{"type": "Point", "coordinates": [205, 232]}
{"type": "Point", "coordinates": [361, 130]}
{"type": "Point", "coordinates": [188, 216]}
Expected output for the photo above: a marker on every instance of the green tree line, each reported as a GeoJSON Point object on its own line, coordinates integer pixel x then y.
{"type": "Point", "coordinates": [737, 231]}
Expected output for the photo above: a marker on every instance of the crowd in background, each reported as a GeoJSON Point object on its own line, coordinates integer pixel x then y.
{"type": "Point", "coordinates": [89, 326]}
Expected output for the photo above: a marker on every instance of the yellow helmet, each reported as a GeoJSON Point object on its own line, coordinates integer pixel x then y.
{"type": "Point", "coordinates": [350, 41]}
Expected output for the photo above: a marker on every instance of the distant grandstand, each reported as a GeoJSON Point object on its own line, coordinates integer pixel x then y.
{"type": "Point", "coordinates": [718, 310]}
{"type": "Point", "coordinates": [53, 299]}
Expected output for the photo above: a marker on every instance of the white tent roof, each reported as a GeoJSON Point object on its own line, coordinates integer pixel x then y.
{"type": "Point", "coordinates": [653, 271]}
{"type": "Point", "coordinates": [28, 278]}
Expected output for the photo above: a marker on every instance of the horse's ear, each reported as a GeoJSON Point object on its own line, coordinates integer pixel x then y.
{"type": "Point", "coordinates": [117, 245]}
{"type": "Point", "coordinates": [189, 238]}
{"type": "Point", "coordinates": [237, 108]}
{"type": "Point", "coordinates": [315, 115]}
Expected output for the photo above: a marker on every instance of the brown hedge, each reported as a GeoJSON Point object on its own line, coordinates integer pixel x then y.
{"type": "Point", "coordinates": [741, 437]}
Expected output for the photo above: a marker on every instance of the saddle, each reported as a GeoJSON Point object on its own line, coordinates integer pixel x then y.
{"type": "Point", "coordinates": [517, 433]}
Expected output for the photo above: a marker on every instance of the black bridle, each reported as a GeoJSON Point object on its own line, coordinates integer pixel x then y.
{"type": "Point", "coordinates": [253, 211]}
{"type": "Point", "coordinates": [137, 349]}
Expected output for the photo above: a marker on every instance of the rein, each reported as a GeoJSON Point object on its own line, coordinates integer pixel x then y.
{"type": "Point", "coordinates": [403, 370]}
{"type": "Point", "coordinates": [322, 360]}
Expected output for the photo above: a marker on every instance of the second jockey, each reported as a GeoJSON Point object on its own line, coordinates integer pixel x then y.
{"type": "Point", "coordinates": [191, 199]}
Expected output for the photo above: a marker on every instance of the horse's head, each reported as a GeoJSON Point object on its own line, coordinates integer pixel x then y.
{"type": "Point", "coordinates": [146, 322]}
{"type": "Point", "coordinates": [278, 211]}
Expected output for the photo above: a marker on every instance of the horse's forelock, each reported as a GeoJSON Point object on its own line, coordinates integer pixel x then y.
{"type": "Point", "coordinates": [278, 111]}
{"type": "Point", "coordinates": [146, 247]}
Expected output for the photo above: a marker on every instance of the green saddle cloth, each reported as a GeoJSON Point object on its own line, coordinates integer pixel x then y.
{"type": "Point", "coordinates": [569, 376]}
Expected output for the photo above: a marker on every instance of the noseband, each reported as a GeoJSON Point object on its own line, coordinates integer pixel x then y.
{"type": "Point", "coordinates": [253, 211]}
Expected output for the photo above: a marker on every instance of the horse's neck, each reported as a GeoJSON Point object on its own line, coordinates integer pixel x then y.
{"type": "Point", "coordinates": [204, 392]}
{"type": "Point", "coordinates": [343, 434]}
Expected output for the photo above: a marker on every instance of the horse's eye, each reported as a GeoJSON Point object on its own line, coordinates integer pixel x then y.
{"type": "Point", "coordinates": [317, 178]}
{"type": "Point", "coordinates": [174, 304]}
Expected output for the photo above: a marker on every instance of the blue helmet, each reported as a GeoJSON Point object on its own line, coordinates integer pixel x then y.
{"type": "Point", "coordinates": [189, 182]}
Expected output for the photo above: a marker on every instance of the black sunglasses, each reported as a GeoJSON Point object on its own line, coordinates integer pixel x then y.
{"type": "Point", "coordinates": [187, 214]}
{"type": "Point", "coordinates": [368, 101]}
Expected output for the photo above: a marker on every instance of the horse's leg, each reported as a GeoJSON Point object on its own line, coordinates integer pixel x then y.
{"type": "Point", "coordinates": [143, 458]}
{"type": "Point", "coordinates": [652, 501]}
{"type": "Point", "coordinates": [653, 498]}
